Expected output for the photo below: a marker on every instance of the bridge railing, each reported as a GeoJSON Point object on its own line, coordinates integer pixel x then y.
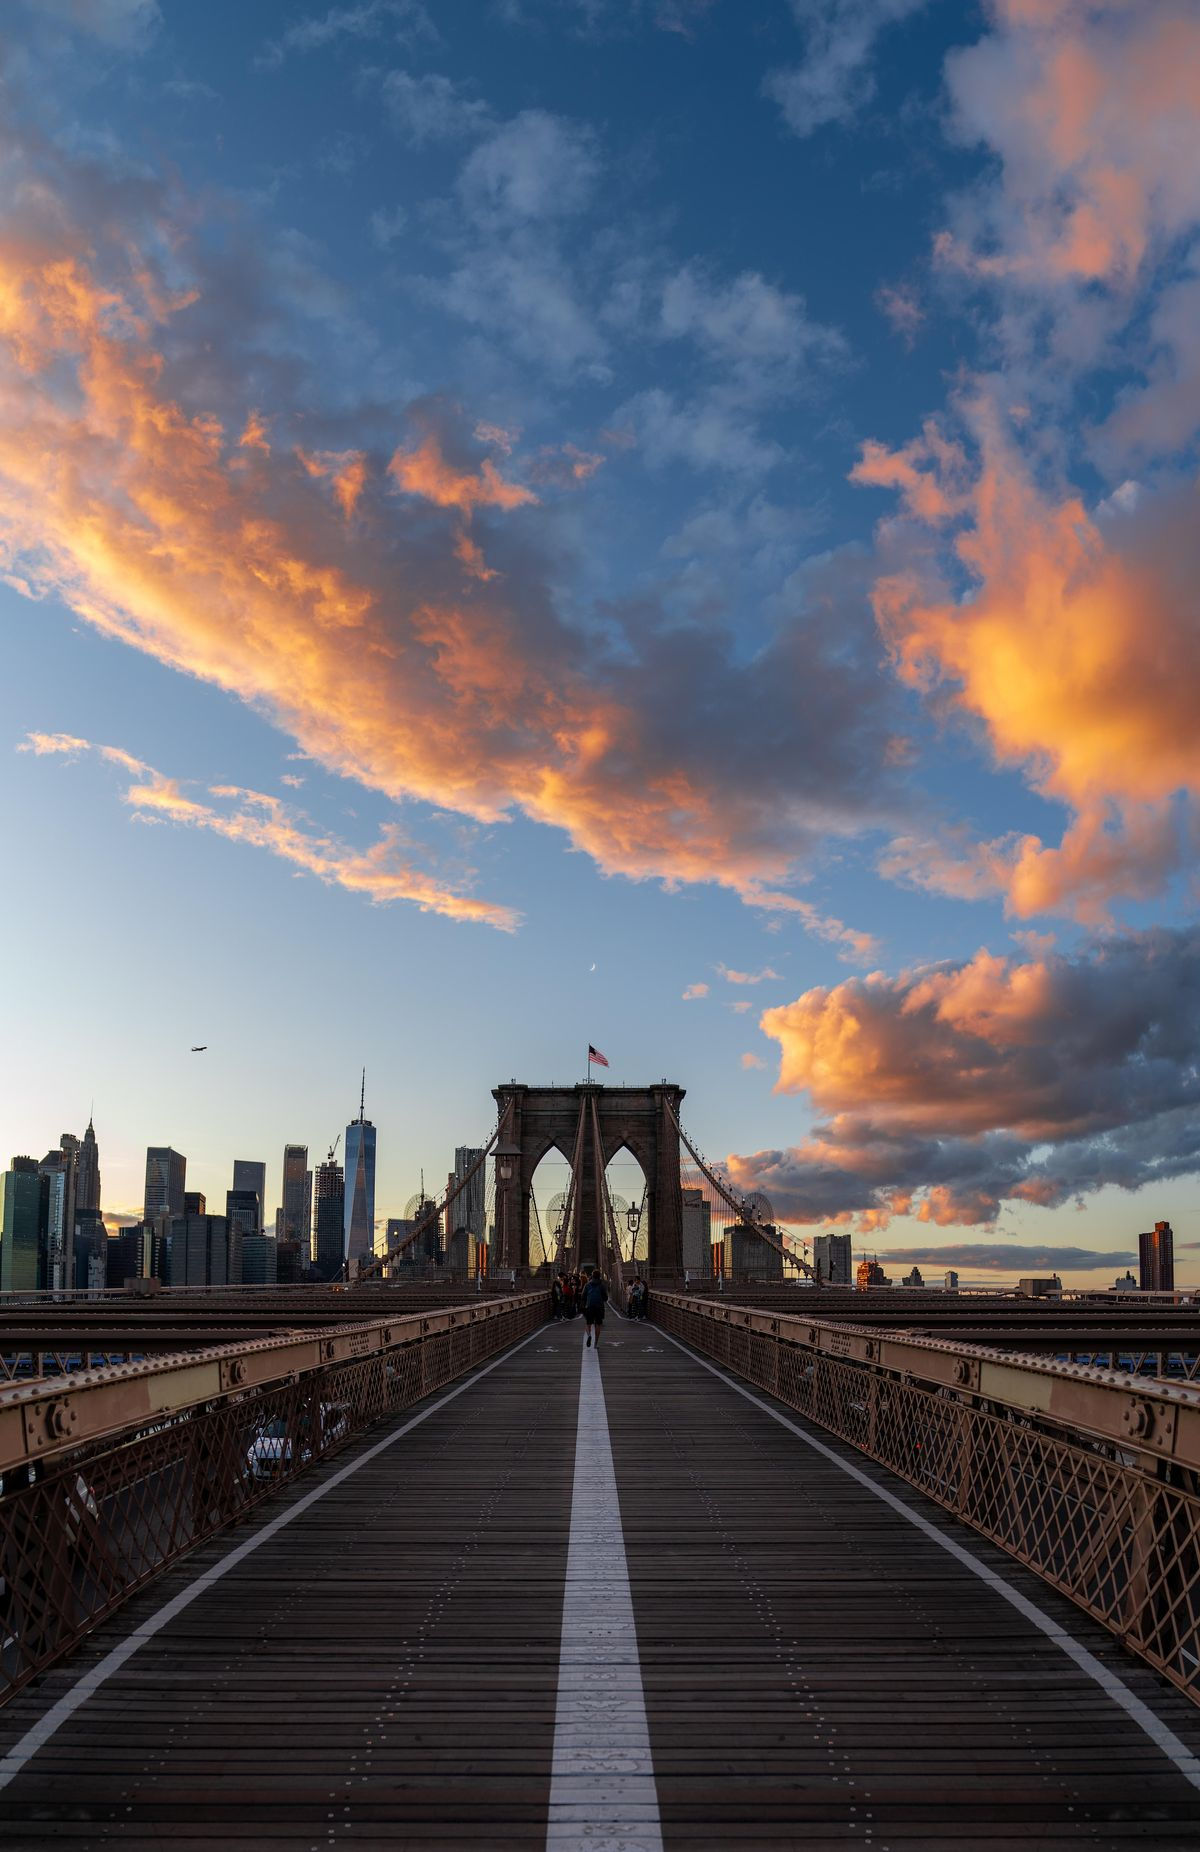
{"type": "Point", "coordinates": [1088, 1477]}
{"type": "Point", "coordinates": [108, 1478]}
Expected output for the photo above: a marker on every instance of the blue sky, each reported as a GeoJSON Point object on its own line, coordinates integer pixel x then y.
{"type": "Point", "coordinates": [697, 491]}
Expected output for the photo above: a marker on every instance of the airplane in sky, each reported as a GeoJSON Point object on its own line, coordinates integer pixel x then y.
{"type": "Point", "coordinates": [203, 1048]}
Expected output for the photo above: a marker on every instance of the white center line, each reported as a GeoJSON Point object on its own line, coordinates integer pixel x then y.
{"type": "Point", "coordinates": [602, 1791]}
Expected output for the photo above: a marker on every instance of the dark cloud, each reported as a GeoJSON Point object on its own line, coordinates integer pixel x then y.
{"type": "Point", "coordinates": [995, 1257]}
{"type": "Point", "coordinates": [949, 1090]}
{"type": "Point", "coordinates": [382, 577]}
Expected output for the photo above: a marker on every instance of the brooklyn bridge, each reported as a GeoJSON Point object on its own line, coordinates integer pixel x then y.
{"type": "Point", "coordinates": [781, 1564]}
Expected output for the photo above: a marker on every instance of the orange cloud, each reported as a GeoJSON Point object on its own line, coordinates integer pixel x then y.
{"type": "Point", "coordinates": [254, 436]}
{"type": "Point", "coordinates": [1092, 107]}
{"type": "Point", "coordinates": [565, 467]}
{"type": "Point", "coordinates": [346, 471]}
{"type": "Point", "coordinates": [426, 472]}
{"type": "Point", "coordinates": [1106, 853]}
{"type": "Point", "coordinates": [471, 555]}
{"type": "Point", "coordinates": [140, 513]}
{"type": "Point", "coordinates": [931, 473]}
{"type": "Point", "coordinates": [1076, 646]}
{"type": "Point", "coordinates": [946, 1091]}
{"type": "Point", "coordinates": [381, 873]}
{"type": "Point", "coordinates": [989, 1044]}
{"type": "Point", "coordinates": [857, 947]}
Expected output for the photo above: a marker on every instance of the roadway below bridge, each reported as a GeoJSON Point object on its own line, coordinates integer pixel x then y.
{"type": "Point", "coordinates": [584, 1599]}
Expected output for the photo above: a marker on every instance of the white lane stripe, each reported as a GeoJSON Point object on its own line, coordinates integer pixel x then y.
{"type": "Point", "coordinates": [602, 1791]}
{"type": "Point", "coordinates": [1140, 1713]}
{"type": "Point", "coordinates": [47, 1726]}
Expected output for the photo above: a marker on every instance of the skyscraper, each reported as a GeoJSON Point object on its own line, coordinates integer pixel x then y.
{"type": "Point", "coordinates": [697, 1233]}
{"type": "Point", "coordinates": [87, 1171]}
{"type": "Point", "coordinates": [469, 1209]}
{"type": "Point", "coordinates": [259, 1260]}
{"type": "Point", "coordinates": [746, 1257]}
{"type": "Point", "coordinates": [249, 1175]}
{"type": "Point", "coordinates": [330, 1183]}
{"type": "Point", "coordinates": [832, 1261]}
{"type": "Point", "coordinates": [20, 1225]}
{"type": "Point", "coordinates": [58, 1215]}
{"type": "Point", "coordinates": [1156, 1259]}
{"type": "Point", "coordinates": [166, 1173]}
{"type": "Point", "coordinates": [360, 1184]}
{"type": "Point", "coordinates": [294, 1219]}
{"type": "Point", "coordinates": [198, 1252]}
{"type": "Point", "coordinates": [243, 1222]}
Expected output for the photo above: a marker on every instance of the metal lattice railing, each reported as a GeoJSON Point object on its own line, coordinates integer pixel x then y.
{"type": "Point", "coordinates": [1114, 1528]}
{"type": "Point", "coordinates": [82, 1527]}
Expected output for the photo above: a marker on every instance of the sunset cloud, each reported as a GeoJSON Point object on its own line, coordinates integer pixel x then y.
{"type": "Point", "coordinates": [693, 991]}
{"type": "Point", "coordinates": [236, 565]}
{"type": "Point", "coordinates": [425, 471]}
{"type": "Point", "coordinates": [1074, 644]}
{"type": "Point", "coordinates": [946, 1091]}
{"type": "Point", "coordinates": [382, 873]}
{"type": "Point", "coordinates": [1063, 627]}
{"type": "Point", "coordinates": [1093, 110]}
{"type": "Point", "coordinates": [746, 977]}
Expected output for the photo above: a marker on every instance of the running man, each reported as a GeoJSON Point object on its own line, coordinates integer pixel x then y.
{"type": "Point", "coordinates": [595, 1297]}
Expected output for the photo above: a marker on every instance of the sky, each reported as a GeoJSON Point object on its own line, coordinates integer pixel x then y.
{"type": "Point", "coordinates": [666, 523]}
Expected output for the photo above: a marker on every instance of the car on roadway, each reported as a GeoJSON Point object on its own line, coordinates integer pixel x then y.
{"type": "Point", "coordinates": [279, 1444]}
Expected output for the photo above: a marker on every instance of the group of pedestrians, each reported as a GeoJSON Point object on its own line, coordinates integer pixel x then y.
{"type": "Point", "coordinates": [566, 1293]}
{"type": "Point", "coordinates": [573, 1294]}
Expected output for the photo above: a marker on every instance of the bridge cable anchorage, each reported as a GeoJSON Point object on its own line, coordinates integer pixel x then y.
{"type": "Point", "coordinates": [740, 1207]}
{"type": "Point", "coordinates": [374, 1268]}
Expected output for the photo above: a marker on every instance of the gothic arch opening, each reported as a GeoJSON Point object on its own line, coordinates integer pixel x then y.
{"type": "Point", "coordinates": [548, 1186]}
{"type": "Point", "coordinates": [628, 1189]}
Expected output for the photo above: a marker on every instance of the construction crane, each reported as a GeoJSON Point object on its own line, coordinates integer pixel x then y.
{"type": "Point", "coordinates": [333, 1149]}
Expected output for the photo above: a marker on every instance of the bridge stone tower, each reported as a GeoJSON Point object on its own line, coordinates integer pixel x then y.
{"type": "Point", "coordinates": [546, 1118]}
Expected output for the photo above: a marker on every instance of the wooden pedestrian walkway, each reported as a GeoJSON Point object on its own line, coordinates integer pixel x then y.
{"type": "Point", "coordinates": [382, 1659]}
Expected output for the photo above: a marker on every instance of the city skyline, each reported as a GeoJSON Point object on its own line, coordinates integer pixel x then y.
{"type": "Point", "coordinates": [168, 1167]}
{"type": "Point", "coordinates": [494, 561]}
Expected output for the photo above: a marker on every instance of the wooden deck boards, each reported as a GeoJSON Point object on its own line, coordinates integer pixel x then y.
{"type": "Point", "coordinates": [816, 1672]}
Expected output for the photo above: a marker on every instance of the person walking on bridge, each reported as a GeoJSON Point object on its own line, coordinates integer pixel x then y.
{"type": "Point", "coordinates": [595, 1297]}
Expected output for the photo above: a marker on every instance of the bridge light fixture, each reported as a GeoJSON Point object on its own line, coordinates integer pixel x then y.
{"type": "Point", "coordinates": [504, 1161]}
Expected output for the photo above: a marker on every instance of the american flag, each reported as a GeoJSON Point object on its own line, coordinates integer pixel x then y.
{"type": "Point", "coordinates": [595, 1055]}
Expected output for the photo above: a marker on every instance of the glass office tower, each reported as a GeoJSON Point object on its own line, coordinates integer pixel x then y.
{"type": "Point", "coordinates": [360, 1189]}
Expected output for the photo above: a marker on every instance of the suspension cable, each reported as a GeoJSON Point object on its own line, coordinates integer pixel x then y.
{"type": "Point", "coordinates": [737, 1204]}
{"type": "Point", "coordinates": [565, 1237]}
{"type": "Point", "coordinates": [604, 1198]}
{"type": "Point", "coordinates": [374, 1268]}
{"type": "Point", "coordinates": [538, 1221]}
